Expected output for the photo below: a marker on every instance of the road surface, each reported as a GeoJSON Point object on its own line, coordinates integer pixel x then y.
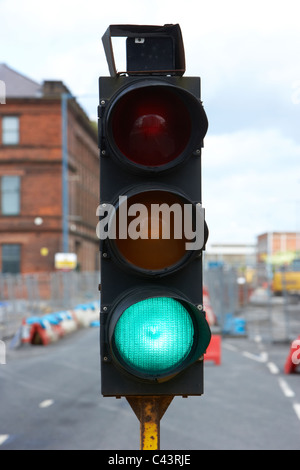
{"type": "Point", "coordinates": [50, 399]}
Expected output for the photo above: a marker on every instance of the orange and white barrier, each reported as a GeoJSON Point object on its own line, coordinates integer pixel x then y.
{"type": "Point", "coordinates": [85, 314]}
{"type": "Point", "coordinates": [25, 332]}
{"type": "Point", "coordinates": [50, 328]}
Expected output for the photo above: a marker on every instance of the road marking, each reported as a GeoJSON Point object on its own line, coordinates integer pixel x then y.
{"type": "Point", "coordinates": [288, 392]}
{"type": "Point", "coordinates": [46, 403]}
{"type": "Point", "coordinates": [263, 357]}
{"type": "Point", "coordinates": [273, 368]}
{"type": "Point", "coordinates": [230, 347]}
{"type": "Point", "coordinates": [3, 438]}
{"type": "Point", "coordinates": [297, 409]}
{"type": "Point", "coordinates": [258, 339]}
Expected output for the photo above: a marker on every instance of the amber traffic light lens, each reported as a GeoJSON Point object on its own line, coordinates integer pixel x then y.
{"type": "Point", "coordinates": [155, 237]}
{"type": "Point", "coordinates": [151, 126]}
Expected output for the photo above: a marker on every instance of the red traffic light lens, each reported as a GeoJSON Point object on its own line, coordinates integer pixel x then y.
{"type": "Point", "coordinates": [154, 126]}
{"type": "Point", "coordinates": [151, 125]}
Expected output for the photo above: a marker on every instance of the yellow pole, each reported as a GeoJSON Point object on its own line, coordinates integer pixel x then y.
{"type": "Point", "coordinates": [149, 411]}
{"type": "Point", "coordinates": [150, 425]}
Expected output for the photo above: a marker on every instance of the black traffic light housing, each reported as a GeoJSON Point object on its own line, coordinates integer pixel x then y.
{"type": "Point", "coordinates": [135, 111]}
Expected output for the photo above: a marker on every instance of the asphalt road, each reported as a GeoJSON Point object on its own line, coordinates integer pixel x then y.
{"type": "Point", "coordinates": [50, 399]}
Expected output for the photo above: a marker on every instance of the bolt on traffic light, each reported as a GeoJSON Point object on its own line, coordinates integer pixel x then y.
{"type": "Point", "coordinates": [152, 229]}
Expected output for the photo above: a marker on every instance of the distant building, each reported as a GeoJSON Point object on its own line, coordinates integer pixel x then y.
{"type": "Point", "coordinates": [31, 177]}
{"type": "Point", "coordinates": [271, 243]}
{"type": "Point", "coordinates": [231, 254]}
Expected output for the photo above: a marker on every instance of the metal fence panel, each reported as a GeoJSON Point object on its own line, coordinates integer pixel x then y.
{"type": "Point", "coordinates": [26, 295]}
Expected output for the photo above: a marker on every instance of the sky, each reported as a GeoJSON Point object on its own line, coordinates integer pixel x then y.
{"type": "Point", "coordinates": [247, 55]}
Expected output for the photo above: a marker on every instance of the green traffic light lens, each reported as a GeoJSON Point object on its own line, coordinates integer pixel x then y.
{"type": "Point", "coordinates": [154, 336]}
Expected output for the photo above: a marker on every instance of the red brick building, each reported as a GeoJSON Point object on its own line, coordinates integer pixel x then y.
{"type": "Point", "coordinates": [31, 177]}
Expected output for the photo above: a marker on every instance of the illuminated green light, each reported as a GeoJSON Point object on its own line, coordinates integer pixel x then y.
{"type": "Point", "coordinates": [154, 335]}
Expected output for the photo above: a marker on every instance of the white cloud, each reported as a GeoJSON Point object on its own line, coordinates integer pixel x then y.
{"type": "Point", "coordinates": [251, 181]}
{"type": "Point", "coordinates": [250, 149]}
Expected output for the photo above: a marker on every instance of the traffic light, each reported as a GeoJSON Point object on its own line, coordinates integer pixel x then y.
{"type": "Point", "coordinates": [151, 227]}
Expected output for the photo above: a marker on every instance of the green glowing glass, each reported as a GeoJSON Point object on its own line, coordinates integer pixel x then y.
{"type": "Point", "coordinates": [154, 335]}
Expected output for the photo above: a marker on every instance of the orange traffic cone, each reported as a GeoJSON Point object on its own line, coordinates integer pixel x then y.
{"type": "Point", "coordinates": [213, 352]}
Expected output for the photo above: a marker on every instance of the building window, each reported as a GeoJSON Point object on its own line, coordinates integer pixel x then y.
{"type": "Point", "coordinates": [10, 130]}
{"type": "Point", "coordinates": [11, 257]}
{"type": "Point", "coordinates": [10, 195]}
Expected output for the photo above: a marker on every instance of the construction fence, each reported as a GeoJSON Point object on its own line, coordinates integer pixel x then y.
{"type": "Point", "coordinates": [237, 305]}
{"type": "Point", "coordinates": [26, 295]}
{"type": "Point", "coordinates": [249, 306]}
{"type": "Point", "coordinates": [227, 298]}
